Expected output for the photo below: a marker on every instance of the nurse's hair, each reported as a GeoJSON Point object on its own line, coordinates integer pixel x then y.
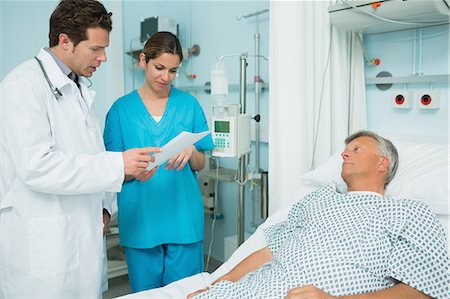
{"type": "Point", "coordinates": [75, 17]}
{"type": "Point", "coordinates": [386, 149]}
{"type": "Point", "coordinates": [160, 43]}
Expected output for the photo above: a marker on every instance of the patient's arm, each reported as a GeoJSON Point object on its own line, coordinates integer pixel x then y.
{"type": "Point", "coordinates": [253, 262]}
{"type": "Point", "coordinates": [399, 291]}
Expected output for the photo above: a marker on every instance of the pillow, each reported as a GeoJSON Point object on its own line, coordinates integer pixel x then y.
{"type": "Point", "coordinates": [422, 174]}
{"type": "Point", "coordinates": [327, 173]}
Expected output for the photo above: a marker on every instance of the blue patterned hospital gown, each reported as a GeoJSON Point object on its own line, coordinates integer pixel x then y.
{"type": "Point", "coordinates": [349, 244]}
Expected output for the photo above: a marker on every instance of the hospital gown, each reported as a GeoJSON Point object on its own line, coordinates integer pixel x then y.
{"type": "Point", "coordinates": [349, 244]}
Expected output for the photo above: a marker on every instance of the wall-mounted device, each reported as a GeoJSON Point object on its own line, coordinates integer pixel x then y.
{"type": "Point", "coordinates": [428, 99]}
{"type": "Point", "coordinates": [230, 131]}
{"type": "Point", "coordinates": [402, 99]}
{"type": "Point", "coordinates": [152, 25]}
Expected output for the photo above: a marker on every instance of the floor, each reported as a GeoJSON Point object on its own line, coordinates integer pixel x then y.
{"type": "Point", "coordinates": [119, 286]}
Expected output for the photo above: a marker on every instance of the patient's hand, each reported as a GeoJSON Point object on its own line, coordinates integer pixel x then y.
{"type": "Point", "coordinates": [196, 293]}
{"type": "Point", "coordinates": [307, 292]}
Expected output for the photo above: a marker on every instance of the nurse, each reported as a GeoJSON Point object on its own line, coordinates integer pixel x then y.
{"type": "Point", "coordinates": [160, 220]}
{"type": "Point", "coordinates": [54, 170]}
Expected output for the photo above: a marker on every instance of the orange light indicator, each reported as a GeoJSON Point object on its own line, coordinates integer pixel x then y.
{"type": "Point", "coordinates": [376, 4]}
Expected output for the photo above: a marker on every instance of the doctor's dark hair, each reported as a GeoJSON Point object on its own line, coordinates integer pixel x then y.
{"type": "Point", "coordinates": [386, 149]}
{"type": "Point", "coordinates": [75, 17]}
{"type": "Point", "coordinates": [162, 42]}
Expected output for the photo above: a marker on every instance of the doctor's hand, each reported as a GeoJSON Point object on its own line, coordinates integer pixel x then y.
{"type": "Point", "coordinates": [307, 292]}
{"type": "Point", "coordinates": [136, 160]}
{"type": "Point", "coordinates": [180, 160]}
{"type": "Point", "coordinates": [106, 219]}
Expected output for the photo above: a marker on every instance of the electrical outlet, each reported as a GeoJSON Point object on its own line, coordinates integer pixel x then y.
{"type": "Point", "coordinates": [428, 99]}
{"type": "Point", "coordinates": [402, 99]}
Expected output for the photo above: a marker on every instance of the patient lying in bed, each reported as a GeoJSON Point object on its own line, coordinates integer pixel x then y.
{"type": "Point", "coordinates": [335, 244]}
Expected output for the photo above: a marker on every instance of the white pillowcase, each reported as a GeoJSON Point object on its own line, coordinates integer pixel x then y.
{"type": "Point", "coordinates": [423, 174]}
{"type": "Point", "coordinates": [329, 172]}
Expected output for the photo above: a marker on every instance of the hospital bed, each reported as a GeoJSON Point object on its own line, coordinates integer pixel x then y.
{"type": "Point", "coordinates": [423, 174]}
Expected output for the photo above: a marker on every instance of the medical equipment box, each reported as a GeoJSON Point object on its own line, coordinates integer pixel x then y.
{"type": "Point", "coordinates": [152, 25]}
{"type": "Point", "coordinates": [230, 131]}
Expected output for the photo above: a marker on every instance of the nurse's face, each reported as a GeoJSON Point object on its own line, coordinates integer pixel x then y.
{"type": "Point", "coordinates": [87, 56]}
{"type": "Point", "coordinates": [160, 71]}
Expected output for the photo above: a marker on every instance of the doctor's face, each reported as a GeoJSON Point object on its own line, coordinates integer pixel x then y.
{"type": "Point", "coordinates": [160, 71]}
{"type": "Point", "coordinates": [87, 55]}
{"type": "Point", "coordinates": [361, 158]}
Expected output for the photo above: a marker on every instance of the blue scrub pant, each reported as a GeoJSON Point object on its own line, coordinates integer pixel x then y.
{"type": "Point", "coordinates": [163, 264]}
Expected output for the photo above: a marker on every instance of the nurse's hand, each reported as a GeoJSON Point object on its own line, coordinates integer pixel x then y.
{"type": "Point", "coordinates": [146, 175]}
{"type": "Point", "coordinates": [307, 292]}
{"type": "Point", "coordinates": [136, 160]}
{"type": "Point", "coordinates": [180, 160]}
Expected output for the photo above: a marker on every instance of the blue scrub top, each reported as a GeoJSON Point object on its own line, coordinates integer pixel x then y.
{"type": "Point", "coordinates": [168, 208]}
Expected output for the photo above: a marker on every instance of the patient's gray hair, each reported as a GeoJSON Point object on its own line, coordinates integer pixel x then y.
{"type": "Point", "coordinates": [385, 147]}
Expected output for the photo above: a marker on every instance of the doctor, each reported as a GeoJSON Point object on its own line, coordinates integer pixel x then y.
{"type": "Point", "coordinates": [54, 170]}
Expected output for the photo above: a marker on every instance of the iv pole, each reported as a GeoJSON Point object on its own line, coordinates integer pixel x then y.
{"type": "Point", "coordinates": [263, 208]}
{"type": "Point", "coordinates": [243, 159]}
{"type": "Point", "coordinates": [257, 82]}
{"type": "Point", "coordinates": [242, 175]}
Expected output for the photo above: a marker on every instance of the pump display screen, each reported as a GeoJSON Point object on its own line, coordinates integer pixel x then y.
{"type": "Point", "coordinates": [222, 126]}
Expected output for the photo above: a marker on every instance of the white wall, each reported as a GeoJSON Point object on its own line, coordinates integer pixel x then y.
{"type": "Point", "coordinates": [396, 50]}
{"type": "Point", "coordinates": [108, 80]}
{"type": "Point", "coordinates": [24, 30]}
{"type": "Point", "coordinates": [2, 33]}
{"type": "Point", "coordinates": [24, 27]}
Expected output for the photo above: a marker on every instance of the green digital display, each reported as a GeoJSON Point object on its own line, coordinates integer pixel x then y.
{"type": "Point", "coordinates": [222, 126]}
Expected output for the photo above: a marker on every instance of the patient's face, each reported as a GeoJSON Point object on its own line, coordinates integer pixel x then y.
{"type": "Point", "coordinates": [361, 159]}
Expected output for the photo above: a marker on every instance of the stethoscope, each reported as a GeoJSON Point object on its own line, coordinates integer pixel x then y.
{"type": "Point", "coordinates": [55, 90]}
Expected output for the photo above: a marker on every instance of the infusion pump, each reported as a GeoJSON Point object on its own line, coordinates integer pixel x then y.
{"type": "Point", "coordinates": [230, 131]}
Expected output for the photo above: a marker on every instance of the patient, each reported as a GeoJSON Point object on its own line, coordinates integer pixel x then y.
{"type": "Point", "coordinates": [335, 244]}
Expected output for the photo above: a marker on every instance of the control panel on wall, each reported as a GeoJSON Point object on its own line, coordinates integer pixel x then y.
{"type": "Point", "coordinates": [428, 99]}
{"type": "Point", "coordinates": [230, 131]}
{"type": "Point", "coordinates": [422, 99]}
{"type": "Point", "coordinates": [402, 99]}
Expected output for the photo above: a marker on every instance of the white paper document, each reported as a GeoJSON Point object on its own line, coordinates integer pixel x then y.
{"type": "Point", "coordinates": [175, 146]}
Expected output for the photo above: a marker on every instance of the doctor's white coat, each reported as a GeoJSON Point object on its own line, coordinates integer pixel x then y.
{"type": "Point", "coordinates": [54, 177]}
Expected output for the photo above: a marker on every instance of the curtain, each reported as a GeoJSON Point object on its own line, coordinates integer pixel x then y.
{"type": "Point", "coordinates": [317, 92]}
